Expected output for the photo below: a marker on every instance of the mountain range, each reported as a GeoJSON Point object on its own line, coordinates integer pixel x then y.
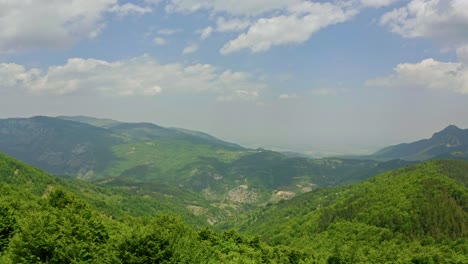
{"type": "Point", "coordinates": [140, 155]}
{"type": "Point", "coordinates": [417, 214]}
{"type": "Point", "coordinates": [451, 142]}
{"type": "Point", "coordinates": [213, 178]}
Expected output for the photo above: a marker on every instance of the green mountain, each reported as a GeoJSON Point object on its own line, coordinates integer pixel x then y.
{"type": "Point", "coordinates": [452, 142]}
{"type": "Point", "coordinates": [42, 221]}
{"type": "Point", "coordinates": [115, 201]}
{"type": "Point", "coordinates": [98, 122]}
{"type": "Point", "coordinates": [223, 178]}
{"type": "Point", "coordinates": [417, 214]}
{"type": "Point", "coordinates": [58, 146]}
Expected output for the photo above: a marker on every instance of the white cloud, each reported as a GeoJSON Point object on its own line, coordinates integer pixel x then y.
{"type": "Point", "coordinates": [232, 25]}
{"type": "Point", "coordinates": [444, 21]}
{"type": "Point", "coordinates": [12, 76]}
{"type": "Point", "coordinates": [287, 96]}
{"type": "Point", "coordinates": [206, 32]}
{"type": "Point", "coordinates": [190, 49]}
{"type": "Point", "coordinates": [233, 7]}
{"type": "Point", "coordinates": [427, 74]}
{"type": "Point", "coordinates": [296, 27]}
{"type": "Point", "coordinates": [137, 76]}
{"type": "Point", "coordinates": [27, 24]}
{"type": "Point", "coordinates": [159, 41]}
{"type": "Point", "coordinates": [128, 9]}
{"type": "Point", "coordinates": [223, 25]}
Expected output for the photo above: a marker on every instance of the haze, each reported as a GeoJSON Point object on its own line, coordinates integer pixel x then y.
{"type": "Point", "coordinates": [323, 76]}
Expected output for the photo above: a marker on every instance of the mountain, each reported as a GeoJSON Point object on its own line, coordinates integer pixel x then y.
{"type": "Point", "coordinates": [225, 178]}
{"type": "Point", "coordinates": [58, 146]}
{"type": "Point", "coordinates": [42, 221]}
{"type": "Point", "coordinates": [116, 202]}
{"type": "Point", "coordinates": [417, 214]}
{"type": "Point", "coordinates": [98, 122]}
{"type": "Point", "coordinates": [149, 131]}
{"type": "Point", "coordinates": [452, 142]}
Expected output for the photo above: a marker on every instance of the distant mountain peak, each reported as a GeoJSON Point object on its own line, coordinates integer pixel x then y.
{"type": "Point", "coordinates": [451, 142]}
{"type": "Point", "coordinates": [451, 130]}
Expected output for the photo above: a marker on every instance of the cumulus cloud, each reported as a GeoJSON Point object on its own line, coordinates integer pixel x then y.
{"type": "Point", "coordinates": [272, 22]}
{"type": "Point", "coordinates": [427, 74]}
{"type": "Point", "coordinates": [27, 25]}
{"type": "Point", "coordinates": [444, 21]}
{"type": "Point", "coordinates": [190, 49]}
{"type": "Point", "coordinates": [223, 25]}
{"type": "Point", "coordinates": [296, 27]}
{"type": "Point", "coordinates": [137, 76]}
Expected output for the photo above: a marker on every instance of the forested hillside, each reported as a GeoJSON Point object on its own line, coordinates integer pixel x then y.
{"type": "Point", "coordinates": [451, 142]}
{"type": "Point", "coordinates": [44, 222]}
{"type": "Point", "coordinates": [205, 175]}
{"type": "Point", "coordinates": [418, 214]}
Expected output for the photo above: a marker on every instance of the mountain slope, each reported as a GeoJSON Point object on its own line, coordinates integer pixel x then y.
{"type": "Point", "coordinates": [418, 212]}
{"type": "Point", "coordinates": [452, 142]}
{"type": "Point", "coordinates": [131, 155]}
{"type": "Point", "coordinates": [43, 222]}
{"type": "Point", "coordinates": [149, 131]}
{"type": "Point", "coordinates": [111, 199]}
{"type": "Point", "coordinates": [57, 146]}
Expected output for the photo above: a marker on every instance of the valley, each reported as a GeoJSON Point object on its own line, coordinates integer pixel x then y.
{"type": "Point", "coordinates": [119, 181]}
{"type": "Point", "coordinates": [218, 178]}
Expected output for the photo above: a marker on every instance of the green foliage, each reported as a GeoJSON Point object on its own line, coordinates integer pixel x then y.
{"type": "Point", "coordinates": [90, 148]}
{"type": "Point", "coordinates": [63, 230]}
{"type": "Point", "coordinates": [417, 214]}
{"type": "Point", "coordinates": [8, 226]}
{"type": "Point", "coordinates": [56, 226]}
{"type": "Point", "coordinates": [164, 239]}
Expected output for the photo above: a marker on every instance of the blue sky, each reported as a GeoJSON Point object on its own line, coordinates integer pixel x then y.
{"type": "Point", "coordinates": [316, 76]}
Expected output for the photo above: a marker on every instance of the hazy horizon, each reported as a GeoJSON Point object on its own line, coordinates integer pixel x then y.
{"type": "Point", "coordinates": [336, 77]}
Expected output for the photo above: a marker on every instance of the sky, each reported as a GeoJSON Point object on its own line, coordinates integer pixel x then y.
{"type": "Point", "coordinates": [344, 76]}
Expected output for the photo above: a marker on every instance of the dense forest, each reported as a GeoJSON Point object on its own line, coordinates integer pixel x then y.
{"type": "Point", "coordinates": [43, 222]}
{"type": "Point", "coordinates": [418, 214]}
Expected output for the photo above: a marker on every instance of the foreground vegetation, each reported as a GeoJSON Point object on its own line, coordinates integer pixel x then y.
{"type": "Point", "coordinates": [185, 171]}
{"type": "Point", "coordinates": [43, 222]}
{"type": "Point", "coordinates": [418, 214]}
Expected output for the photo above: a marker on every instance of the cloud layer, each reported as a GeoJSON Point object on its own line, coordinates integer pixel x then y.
{"type": "Point", "coordinates": [296, 27]}
{"type": "Point", "coordinates": [427, 74]}
{"type": "Point", "coordinates": [137, 76]}
{"type": "Point", "coordinates": [27, 25]}
{"type": "Point", "coordinates": [444, 21]}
